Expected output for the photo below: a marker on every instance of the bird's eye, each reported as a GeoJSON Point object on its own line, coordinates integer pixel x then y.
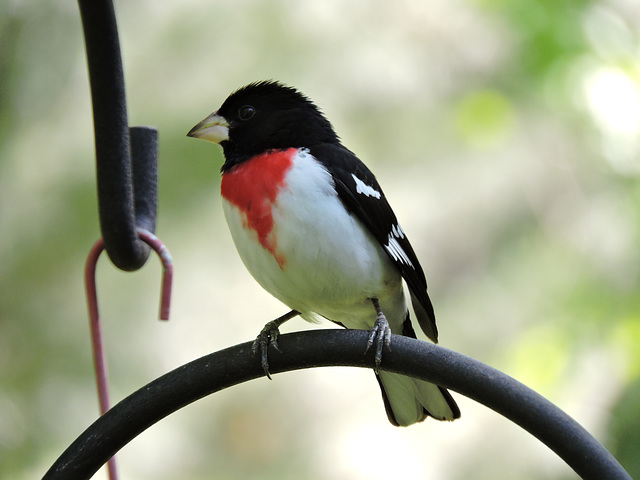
{"type": "Point", "coordinates": [246, 112]}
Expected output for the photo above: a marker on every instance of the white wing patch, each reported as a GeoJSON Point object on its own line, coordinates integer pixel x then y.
{"type": "Point", "coordinates": [365, 189]}
{"type": "Point", "coordinates": [396, 231]}
{"type": "Point", "coordinates": [393, 247]}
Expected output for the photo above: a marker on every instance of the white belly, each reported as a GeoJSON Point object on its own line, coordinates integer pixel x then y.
{"type": "Point", "coordinates": [325, 263]}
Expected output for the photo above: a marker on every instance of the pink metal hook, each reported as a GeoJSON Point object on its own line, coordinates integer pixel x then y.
{"type": "Point", "coordinates": [99, 362]}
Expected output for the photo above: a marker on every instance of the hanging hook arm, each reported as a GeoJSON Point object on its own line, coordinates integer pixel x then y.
{"type": "Point", "coordinates": [126, 159]}
{"type": "Point", "coordinates": [97, 345]}
{"type": "Point", "coordinates": [94, 313]}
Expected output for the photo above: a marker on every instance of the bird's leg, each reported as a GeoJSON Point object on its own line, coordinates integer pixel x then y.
{"type": "Point", "coordinates": [380, 334]}
{"type": "Point", "coordinates": [269, 336]}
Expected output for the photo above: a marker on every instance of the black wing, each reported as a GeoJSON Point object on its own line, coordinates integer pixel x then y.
{"type": "Point", "coordinates": [360, 192]}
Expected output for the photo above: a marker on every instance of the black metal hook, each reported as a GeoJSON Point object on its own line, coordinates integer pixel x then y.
{"type": "Point", "coordinates": [126, 158]}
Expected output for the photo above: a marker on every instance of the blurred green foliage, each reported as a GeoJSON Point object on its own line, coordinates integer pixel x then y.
{"type": "Point", "coordinates": [507, 136]}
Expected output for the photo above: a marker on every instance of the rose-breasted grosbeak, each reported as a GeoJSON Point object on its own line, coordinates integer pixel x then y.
{"type": "Point", "coordinates": [313, 227]}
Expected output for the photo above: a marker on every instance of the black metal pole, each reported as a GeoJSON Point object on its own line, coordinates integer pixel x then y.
{"type": "Point", "coordinates": [119, 195]}
{"type": "Point", "coordinates": [322, 348]}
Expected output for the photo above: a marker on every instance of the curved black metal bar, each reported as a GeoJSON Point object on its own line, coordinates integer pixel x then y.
{"type": "Point", "coordinates": [144, 164]}
{"type": "Point", "coordinates": [322, 348]}
{"type": "Point", "coordinates": [124, 201]}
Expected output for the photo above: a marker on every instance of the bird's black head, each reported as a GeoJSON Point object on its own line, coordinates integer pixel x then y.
{"type": "Point", "coordinates": [264, 116]}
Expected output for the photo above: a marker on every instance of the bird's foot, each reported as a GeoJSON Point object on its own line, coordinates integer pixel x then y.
{"type": "Point", "coordinates": [380, 337]}
{"type": "Point", "coordinates": [267, 337]}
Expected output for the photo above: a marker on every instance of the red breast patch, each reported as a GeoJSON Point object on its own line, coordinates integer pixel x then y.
{"type": "Point", "coordinates": [253, 187]}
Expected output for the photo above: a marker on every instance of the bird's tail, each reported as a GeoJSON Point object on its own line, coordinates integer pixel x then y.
{"type": "Point", "coordinates": [408, 400]}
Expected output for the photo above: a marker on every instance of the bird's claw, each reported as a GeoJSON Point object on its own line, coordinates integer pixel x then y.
{"type": "Point", "coordinates": [381, 337]}
{"type": "Point", "coordinates": [267, 337]}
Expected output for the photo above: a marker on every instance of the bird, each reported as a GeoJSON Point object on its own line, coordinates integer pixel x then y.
{"type": "Point", "coordinates": [314, 228]}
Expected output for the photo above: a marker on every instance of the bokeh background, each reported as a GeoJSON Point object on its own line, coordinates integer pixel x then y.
{"type": "Point", "coordinates": [506, 136]}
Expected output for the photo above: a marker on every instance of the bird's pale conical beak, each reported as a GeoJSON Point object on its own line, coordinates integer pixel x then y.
{"type": "Point", "coordinates": [214, 128]}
